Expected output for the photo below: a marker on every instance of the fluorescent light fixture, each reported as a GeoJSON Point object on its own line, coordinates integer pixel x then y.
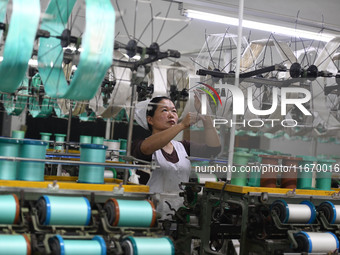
{"type": "Point", "coordinates": [259, 26]}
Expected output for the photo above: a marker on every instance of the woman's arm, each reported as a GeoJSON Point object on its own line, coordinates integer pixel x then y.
{"type": "Point", "coordinates": [160, 139]}
{"type": "Point", "coordinates": [210, 133]}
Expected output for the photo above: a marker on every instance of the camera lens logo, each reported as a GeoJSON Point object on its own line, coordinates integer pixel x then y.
{"type": "Point", "coordinates": [209, 93]}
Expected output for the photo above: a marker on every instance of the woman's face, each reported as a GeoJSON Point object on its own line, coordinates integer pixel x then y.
{"type": "Point", "coordinates": [165, 116]}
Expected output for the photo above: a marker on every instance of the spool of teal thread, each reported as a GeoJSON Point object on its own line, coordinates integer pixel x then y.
{"type": "Point", "coordinates": [9, 147]}
{"type": "Point", "coordinates": [305, 174]}
{"type": "Point", "coordinates": [240, 178]}
{"type": "Point", "coordinates": [98, 140]}
{"type": "Point", "coordinates": [241, 149]}
{"type": "Point", "coordinates": [59, 139]}
{"type": "Point", "coordinates": [324, 178]}
{"type": "Point", "coordinates": [9, 208]}
{"type": "Point", "coordinates": [14, 244]}
{"type": "Point", "coordinates": [255, 173]}
{"type": "Point", "coordinates": [32, 171]}
{"type": "Point", "coordinates": [18, 134]}
{"type": "Point", "coordinates": [148, 246]}
{"type": "Point", "coordinates": [62, 210]}
{"type": "Point", "coordinates": [45, 137]}
{"type": "Point", "coordinates": [122, 213]}
{"type": "Point", "coordinates": [85, 139]}
{"type": "Point", "coordinates": [123, 146]}
{"type": "Point", "coordinates": [92, 153]}
{"type": "Point", "coordinates": [96, 246]}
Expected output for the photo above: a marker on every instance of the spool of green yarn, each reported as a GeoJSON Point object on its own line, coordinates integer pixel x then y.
{"type": "Point", "coordinates": [85, 139]}
{"type": "Point", "coordinates": [324, 175]}
{"type": "Point", "coordinates": [92, 153]}
{"type": "Point", "coordinates": [45, 136]}
{"type": "Point", "coordinates": [9, 147]}
{"type": "Point", "coordinates": [10, 209]}
{"type": "Point", "coordinates": [241, 159]}
{"type": "Point", "coordinates": [59, 245]}
{"type": "Point", "coordinates": [255, 173]}
{"type": "Point", "coordinates": [98, 140]}
{"type": "Point", "coordinates": [122, 213]}
{"type": "Point", "coordinates": [59, 139]}
{"type": "Point", "coordinates": [148, 246]}
{"type": "Point", "coordinates": [241, 149]}
{"type": "Point", "coordinates": [61, 210]}
{"type": "Point", "coordinates": [14, 244]}
{"type": "Point", "coordinates": [19, 134]}
{"type": "Point", "coordinates": [123, 146]}
{"type": "Point", "coordinates": [32, 171]}
{"type": "Point", "coordinates": [305, 174]}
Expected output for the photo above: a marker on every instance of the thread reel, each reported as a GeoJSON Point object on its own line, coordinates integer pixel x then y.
{"type": "Point", "coordinates": [123, 213]}
{"type": "Point", "coordinates": [59, 246]}
{"type": "Point", "coordinates": [15, 244]}
{"type": "Point", "coordinates": [330, 211]}
{"type": "Point", "coordinates": [10, 209]}
{"type": "Point", "coordinates": [303, 213]}
{"type": "Point", "coordinates": [148, 246]}
{"type": "Point", "coordinates": [316, 242]}
{"type": "Point", "coordinates": [57, 210]}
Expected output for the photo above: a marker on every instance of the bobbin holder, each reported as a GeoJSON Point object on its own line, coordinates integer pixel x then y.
{"type": "Point", "coordinates": [63, 229]}
{"type": "Point", "coordinates": [328, 226]}
{"type": "Point", "coordinates": [138, 231]}
{"type": "Point", "coordinates": [20, 227]}
{"type": "Point", "coordinates": [294, 226]}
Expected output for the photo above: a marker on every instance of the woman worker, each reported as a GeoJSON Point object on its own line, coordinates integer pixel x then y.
{"type": "Point", "coordinates": [160, 117]}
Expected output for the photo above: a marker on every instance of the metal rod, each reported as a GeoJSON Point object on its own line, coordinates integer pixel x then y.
{"type": "Point", "coordinates": [237, 81]}
{"type": "Point", "coordinates": [131, 119]}
{"type": "Point", "coordinates": [69, 127]}
{"type": "Point", "coordinates": [72, 162]}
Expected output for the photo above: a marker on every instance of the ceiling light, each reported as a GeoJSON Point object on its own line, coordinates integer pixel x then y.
{"type": "Point", "coordinates": [259, 26]}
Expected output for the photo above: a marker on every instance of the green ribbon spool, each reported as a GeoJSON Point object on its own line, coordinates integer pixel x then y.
{"type": "Point", "coordinates": [240, 178]}
{"type": "Point", "coordinates": [98, 140]}
{"type": "Point", "coordinates": [85, 139]}
{"type": "Point", "coordinates": [122, 213]}
{"type": "Point", "coordinates": [10, 209]}
{"type": "Point", "coordinates": [59, 245]}
{"type": "Point", "coordinates": [9, 148]}
{"type": "Point", "coordinates": [14, 105]}
{"type": "Point", "coordinates": [17, 52]}
{"type": "Point", "coordinates": [255, 174]}
{"type": "Point", "coordinates": [18, 134]}
{"type": "Point", "coordinates": [59, 138]}
{"type": "Point", "coordinates": [241, 149]}
{"type": "Point", "coordinates": [36, 108]}
{"type": "Point", "coordinates": [92, 153]}
{"type": "Point", "coordinates": [14, 244]}
{"type": "Point", "coordinates": [45, 136]}
{"type": "Point", "coordinates": [305, 175]}
{"type": "Point", "coordinates": [148, 245]}
{"type": "Point", "coordinates": [32, 171]}
{"type": "Point", "coordinates": [100, 23]}
{"type": "Point", "coordinates": [324, 177]}
{"type": "Point", "coordinates": [61, 210]}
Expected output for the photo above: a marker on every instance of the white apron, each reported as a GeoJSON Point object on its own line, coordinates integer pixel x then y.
{"type": "Point", "coordinates": [165, 180]}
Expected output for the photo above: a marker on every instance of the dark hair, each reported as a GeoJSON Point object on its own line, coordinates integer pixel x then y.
{"type": "Point", "coordinates": [152, 106]}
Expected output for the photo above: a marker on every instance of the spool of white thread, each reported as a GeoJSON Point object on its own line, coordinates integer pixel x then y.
{"type": "Point", "coordinates": [331, 212]}
{"type": "Point", "coordinates": [112, 149]}
{"type": "Point", "coordinates": [316, 242]}
{"type": "Point", "coordinates": [304, 212]}
{"type": "Point", "coordinates": [202, 177]}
